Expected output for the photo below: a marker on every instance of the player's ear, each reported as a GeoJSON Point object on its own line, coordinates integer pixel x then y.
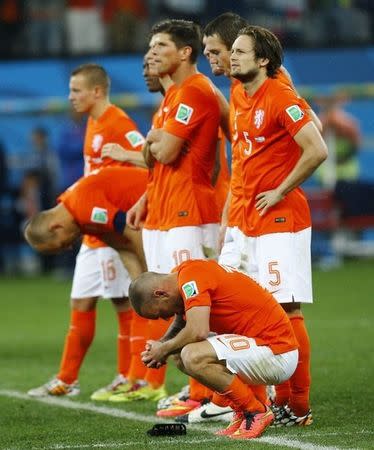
{"type": "Point", "coordinates": [159, 293]}
{"type": "Point", "coordinates": [264, 62]}
{"type": "Point", "coordinates": [53, 226]}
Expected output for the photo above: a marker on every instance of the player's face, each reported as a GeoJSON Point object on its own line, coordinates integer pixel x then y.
{"type": "Point", "coordinates": [244, 65]}
{"type": "Point", "coordinates": [166, 57]}
{"type": "Point", "coordinates": [150, 75]}
{"type": "Point", "coordinates": [81, 95]}
{"type": "Point", "coordinates": [160, 308]}
{"type": "Point", "coordinates": [217, 54]}
{"type": "Point", "coordinates": [63, 239]}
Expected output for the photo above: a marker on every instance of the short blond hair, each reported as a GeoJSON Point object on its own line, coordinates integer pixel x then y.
{"type": "Point", "coordinates": [95, 74]}
{"type": "Point", "coordinates": [37, 230]}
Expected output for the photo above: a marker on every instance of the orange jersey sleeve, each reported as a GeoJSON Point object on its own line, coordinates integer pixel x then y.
{"type": "Point", "coordinates": [183, 189]}
{"type": "Point", "coordinates": [238, 305]}
{"type": "Point", "coordinates": [95, 200]}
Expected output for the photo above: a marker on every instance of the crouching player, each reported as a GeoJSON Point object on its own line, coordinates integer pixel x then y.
{"type": "Point", "coordinates": [254, 345]}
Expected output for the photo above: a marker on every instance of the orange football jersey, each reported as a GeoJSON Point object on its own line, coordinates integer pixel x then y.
{"type": "Point", "coordinates": [238, 305]}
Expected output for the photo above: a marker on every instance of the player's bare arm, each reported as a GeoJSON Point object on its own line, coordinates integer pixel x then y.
{"type": "Point", "coordinates": [165, 147]}
{"type": "Point", "coordinates": [136, 214]}
{"type": "Point", "coordinates": [129, 246]}
{"type": "Point", "coordinates": [147, 155]}
{"type": "Point", "coordinates": [118, 153]}
{"type": "Point", "coordinates": [195, 330]}
{"type": "Point", "coordinates": [314, 152]}
{"type": "Point", "coordinates": [178, 324]}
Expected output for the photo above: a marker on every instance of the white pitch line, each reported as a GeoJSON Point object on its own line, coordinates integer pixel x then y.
{"type": "Point", "coordinates": [131, 444]}
{"type": "Point", "coordinates": [114, 412]}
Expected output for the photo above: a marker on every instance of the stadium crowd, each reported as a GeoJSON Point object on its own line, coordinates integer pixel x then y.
{"type": "Point", "coordinates": [42, 28]}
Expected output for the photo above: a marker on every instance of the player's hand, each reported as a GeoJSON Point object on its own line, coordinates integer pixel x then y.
{"type": "Point", "coordinates": [153, 356]}
{"type": "Point", "coordinates": [136, 214]}
{"type": "Point", "coordinates": [114, 151]}
{"type": "Point", "coordinates": [265, 200]}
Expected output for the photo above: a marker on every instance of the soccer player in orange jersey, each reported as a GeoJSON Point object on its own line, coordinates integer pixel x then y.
{"type": "Point", "coordinates": [95, 205]}
{"type": "Point", "coordinates": [219, 36]}
{"type": "Point", "coordinates": [178, 225]}
{"type": "Point", "coordinates": [255, 343]}
{"type": "Point", "coordinates": [279, 147]}
{"type": "Point", "coordinates": [99, 271]}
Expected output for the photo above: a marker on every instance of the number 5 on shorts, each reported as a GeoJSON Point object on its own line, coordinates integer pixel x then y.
{"type": "Point", "coordinates": [274, 272]}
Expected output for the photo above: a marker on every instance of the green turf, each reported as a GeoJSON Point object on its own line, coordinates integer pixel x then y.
{"type": "Point", "coordinates": [35, 316]}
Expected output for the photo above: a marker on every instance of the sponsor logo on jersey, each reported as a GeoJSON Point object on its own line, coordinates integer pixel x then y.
{"type": "Point", "coordinates": [99, 215]}
{"type": "Point", "coordinates": [184, 113]}
{"type": "Point", "coordinates": [97, 142]}
{"type": "Point", "coordinates": [135, 138]}
{"type": "Point", "coordinates": [295, 113]}
{"type": "Point", "coordinates": [259, 118]}
{"type": "Point", "coordinates": [190, 289]}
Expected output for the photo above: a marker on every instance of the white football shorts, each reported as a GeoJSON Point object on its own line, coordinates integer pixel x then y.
{"type": "Point", "coordinates": [231, 250]}
{"type": "Point", "coordinates": [281, 263]}
{"type": "Point", "coordinates": [166, 249]}
{"type": "Point", "coordinates": [252, 363]}
{"type": "Point", "coordinates": [99, 272]}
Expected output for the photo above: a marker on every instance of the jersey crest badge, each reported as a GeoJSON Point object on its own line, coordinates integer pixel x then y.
{"type": "Point", "coordinates": [184, 114]}
{"type": "Point", "coordinates": [295, 113]}
{"type": "Point", "coordinates": [190, 289]}
{"type": "Point", "coordinates": [99, 215]}
{"type": "Point", "coordinates": [259, 118]}
{"type": "Point", "coordinates": [97, 142]}
{"type": "Point", "coordinates": [135, 138]}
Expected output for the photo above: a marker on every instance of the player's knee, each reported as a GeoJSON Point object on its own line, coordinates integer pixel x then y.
{"type": "Point", "coordinates": [192, 359]}
{"type": "Point", "coordinates": [179, 363]}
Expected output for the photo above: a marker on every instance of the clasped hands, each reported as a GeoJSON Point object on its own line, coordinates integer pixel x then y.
{"type": "Point", "coordinates": [154, 356]}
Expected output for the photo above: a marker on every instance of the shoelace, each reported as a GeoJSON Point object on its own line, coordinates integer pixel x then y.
{"type": "Point", "coordinates": [248, 420]}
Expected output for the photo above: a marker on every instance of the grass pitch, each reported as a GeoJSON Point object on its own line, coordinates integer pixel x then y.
{"type": "Point", "coordinates": [34, 319]}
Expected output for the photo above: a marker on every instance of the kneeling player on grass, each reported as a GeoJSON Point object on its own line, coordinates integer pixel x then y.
{"type": "Point", "coordinates": [254, 345]}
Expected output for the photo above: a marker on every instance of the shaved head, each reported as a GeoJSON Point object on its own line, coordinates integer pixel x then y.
{"type": "Point", "coordinates": [38, 231]}
{"type": "Point", "coordinates": [141, 290]}
{"type": "Point", "coordinates": [52, 231]}
{"type": "Point", "coordinates": [155, 295]}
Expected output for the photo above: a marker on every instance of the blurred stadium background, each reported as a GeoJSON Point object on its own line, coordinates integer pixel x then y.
{"type": "Point", "coordinates": [329, 51]}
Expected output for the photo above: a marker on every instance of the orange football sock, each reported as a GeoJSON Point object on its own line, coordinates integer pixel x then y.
{"type": "Point", "coordinates": [259, 391]}
{"type": "Point", "coordinates": [282, 393]}
{"type": "Point", "coordinates": [156, 377]}
{"type": "Point", "coordinates": [301, 379]}
{"type": "Point", "coordinates": [138, 331]}
{"type": "Point", "coordinates": [123, 341]}
{"type": "Point", "coordinates": [242, 398]}
{"type": "Point", "coordinates": [220, 400]}
{"type": "Point", "coordinates": [198, 391]}
{"type": "Point", "coordinates": [155, 330]}
{"type": "Point", "coordinates": [77, 342]}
